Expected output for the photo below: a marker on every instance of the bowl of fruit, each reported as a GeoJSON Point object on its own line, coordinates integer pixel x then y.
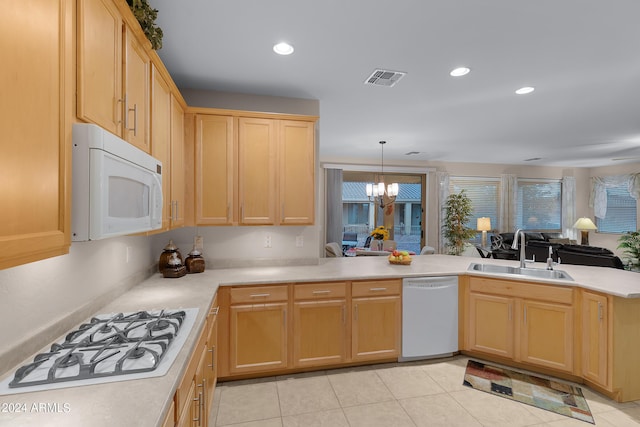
{"type": "Point", "coordinates": [400, 257]}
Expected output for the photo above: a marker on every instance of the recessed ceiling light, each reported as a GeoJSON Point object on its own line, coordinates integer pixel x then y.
{"type": "Point", "coordinates": [525, 90]}
{"type": "Point", "coordinates": [459, 72]}
{"type": "Point", "coordinates": [283, 48]}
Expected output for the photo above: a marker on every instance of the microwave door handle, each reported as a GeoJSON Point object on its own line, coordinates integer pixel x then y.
{"type": "Point", "coordinates": [156, 215]}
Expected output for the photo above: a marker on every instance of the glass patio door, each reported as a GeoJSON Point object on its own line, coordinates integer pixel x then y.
{"type": "Point", "coordinates": [404, 218]}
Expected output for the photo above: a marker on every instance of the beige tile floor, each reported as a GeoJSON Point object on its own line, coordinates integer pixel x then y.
{"type": "Point", "coordinates": [426, 393]}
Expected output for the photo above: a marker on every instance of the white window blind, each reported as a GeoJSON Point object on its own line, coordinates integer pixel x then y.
{"type": "Point", "coordinates": [621, 213]}
{"type": "Point", "coordinates": [539, 205]}
{"type": "Point", "coordinates": [485, 198]}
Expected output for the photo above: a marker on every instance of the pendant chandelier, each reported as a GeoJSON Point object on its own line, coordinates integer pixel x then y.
{"type": "Point", "coordinates": [379, 193]}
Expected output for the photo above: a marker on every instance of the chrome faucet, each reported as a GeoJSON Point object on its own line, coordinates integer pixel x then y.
{"type": "Point", "coordinates": [523, 255]}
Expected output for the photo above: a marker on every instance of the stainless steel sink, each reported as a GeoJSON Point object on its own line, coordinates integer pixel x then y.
{"type": "Point", "coordinates": [516, 271]}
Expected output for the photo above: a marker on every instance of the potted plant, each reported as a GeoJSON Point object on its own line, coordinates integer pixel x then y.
{"type": "Point", "coordinates": [630, 242]}
{"type": "Point", "coordinates": [146, 16]}
{"type": "Point", "coordinates": [457, 211]}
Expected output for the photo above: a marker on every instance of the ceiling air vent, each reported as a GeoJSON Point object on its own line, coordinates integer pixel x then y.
{"type": "Point", "coordinates": [384, 78]}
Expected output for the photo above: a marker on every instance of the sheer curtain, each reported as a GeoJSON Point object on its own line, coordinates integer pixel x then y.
{"type": "Point", "coordinates": [443, 193]}
{"type": "Point", "coordinates": [569, 207]}
{"type": "Point", "coordinates": [598, 198]}
{"type": "Point", "coordinates": [333, 189]}
{"type": "Point", "coordinates": [508, 202]}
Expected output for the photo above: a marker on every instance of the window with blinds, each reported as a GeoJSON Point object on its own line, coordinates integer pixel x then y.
{"type": "Point", "coordinates": [485, 199]}
{"type": "Point", "coordinates": [621, 211]}
{"type": "Point", "coordinates": [539, 205]}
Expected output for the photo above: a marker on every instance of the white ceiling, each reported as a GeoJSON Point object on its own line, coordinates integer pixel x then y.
{"type": "Point", "coordinates": [582, 56]}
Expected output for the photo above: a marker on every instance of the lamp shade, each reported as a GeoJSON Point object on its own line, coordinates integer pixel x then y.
{"type": "Point", "coordinates": [484, 224]}
{"type": "Point", "coordinates": [585, 224]}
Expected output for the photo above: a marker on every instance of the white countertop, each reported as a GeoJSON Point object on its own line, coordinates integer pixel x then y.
{"type": "Point", "coordinates": [143, 402]}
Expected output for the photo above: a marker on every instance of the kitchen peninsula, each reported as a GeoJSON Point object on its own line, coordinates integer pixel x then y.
{"type": "Point", "coordinates": [118, 402]}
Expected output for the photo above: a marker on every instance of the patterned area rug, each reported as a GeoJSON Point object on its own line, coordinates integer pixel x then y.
{"type": "Point", "coordinates": [543, 393]}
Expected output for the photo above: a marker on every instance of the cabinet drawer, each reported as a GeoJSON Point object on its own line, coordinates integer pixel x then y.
{"type": "Point", "coordinates": [372, 288]}
{"type": "Point", "coordinates": [258, 294]}
{"type": "Point", "coordinates": [563, 295]}
{"type": "Point", "coordinates": [320, 290]}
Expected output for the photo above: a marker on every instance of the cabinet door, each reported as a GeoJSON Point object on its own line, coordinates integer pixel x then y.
{"type": "Point", "coordinates": [490, 324]}
{"type": "Point", "coordinates": [319, 332]}
{"type": "Point", "coordinates": [257, 170]}
{"type": "Point", "coordinates": [99, 62]}
{"type": "Point", "coordinates": [35, 166]}
{"type": "Point", "coordinates": [136, 92]}
{"type": "Point", "coordinates": [258, 337]}
{"type": "Point", "coordinates": [189, 412]}
{"type": "Point", "coordinates": [296, 152]}
{"type": "Point", "coordinates": [161, 138]}
{"type": "Point", "coordinates": [547, 334]}
{"type": "Point", "coordinates": [595, 344]}
{"type": "Point", "coordinates": [201, 410]}
{"type": "Point", "coordinates": [177, 164]}
{"type": "Point", "coordinates": [375, 328]}
{"type": "Point", "coordinates": [212, 355]}
{"type": "Point", "coordinates": [215, 171]}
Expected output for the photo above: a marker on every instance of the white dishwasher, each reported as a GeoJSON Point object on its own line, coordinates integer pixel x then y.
{"type": "Point", "coordinates": [429, 317]}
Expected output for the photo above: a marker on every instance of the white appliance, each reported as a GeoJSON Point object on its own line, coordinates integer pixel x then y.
{"type": "Point", "coordinates": [429, 317]}
{"type": "Point", "coordinates": [107, 348]}
{"type": "Point", "coordinates": [117, 188]}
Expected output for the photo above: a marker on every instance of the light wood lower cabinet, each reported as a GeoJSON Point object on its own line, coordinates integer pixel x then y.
{"type": "Point", "coordinates": [258, 339]}
{"type": "Point", "coordinates": [319, 324]}
{"type": "Point", "coordinates": [331, 324]}
{"type": "Point", "coordinates": [547, 334]}
{"type": "Point", "coordinates": [526, 322]}
{"type": "Point", "coordinates": [595, 343]}
{"type": "Point", "coordinates": [376, 310]}
{"type": "Point", "coordinates": [490, 326]}
{"type": "Point", "coordinates": [194, 395]}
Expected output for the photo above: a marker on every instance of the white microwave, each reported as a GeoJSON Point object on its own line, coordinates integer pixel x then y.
{"type": "Point", "coordinates": [117, 188]}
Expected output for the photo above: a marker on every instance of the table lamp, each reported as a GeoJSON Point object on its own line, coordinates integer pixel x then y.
{"type": "Point", "coordinates": [484, 225]}
{"type": "Point", "coordinates": [584, 225]}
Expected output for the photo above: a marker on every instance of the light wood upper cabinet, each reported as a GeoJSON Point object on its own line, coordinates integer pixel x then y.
{"type": "Point", "coordinates": [135, 94]}
{"type": "Point", "coordinates": [254, 170]}
{"type": "Point", "coordinates": [161, 139]}
{"type": "Point", "coordinates": [177, 164]}
{"type": "Point", "coordinates": [113, 73]}
{"type": "Point", "coordinates": [257, 190]}
{"type": "Point", "coordinates": [99, 62]}
{"type": "Point", "coordinates": [215, 169]}
{"type": "Point", "coordinates": [35, 112]}
{"type": "Point", "coordinates": [595, 334]}
{"type": "Point", "coordinates": [297, 172]}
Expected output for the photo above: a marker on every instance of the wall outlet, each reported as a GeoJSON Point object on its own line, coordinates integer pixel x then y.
{"type": "Point", "coordinates": [267, 241]}
{"type": "Point", "coordinates": [299, 241]}
{"type": "Point", "coordinates": [198, 242]}
{"type": "Point", "coordinates": [128, 254]}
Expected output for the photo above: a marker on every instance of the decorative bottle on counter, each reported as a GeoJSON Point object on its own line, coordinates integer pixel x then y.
{"type": "Point", "coordinates": [166, 255]}
{"type": "Point", "coordinates": [194, 262]}
{"type": "Point", "coordinates": [174, 269]}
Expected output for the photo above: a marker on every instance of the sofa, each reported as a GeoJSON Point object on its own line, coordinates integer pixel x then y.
{"type": "Point", "coordinates": [538, 244]}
